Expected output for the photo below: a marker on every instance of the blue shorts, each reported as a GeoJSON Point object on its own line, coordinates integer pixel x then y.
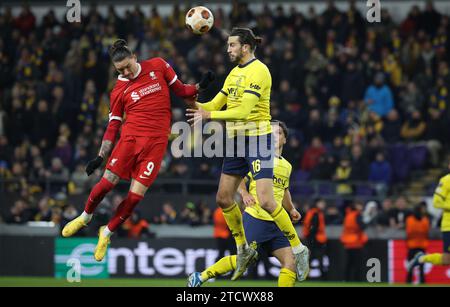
{"type": "Point", "coordinates": [266, 234]}
{"type": "Point", "coordinates": [249, 154]}
{"type": "Point", "coordinates": [446, 241]}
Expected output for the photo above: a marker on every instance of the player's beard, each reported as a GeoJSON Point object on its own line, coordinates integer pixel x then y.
{"type": "Point", "coordinates": [237, 58]}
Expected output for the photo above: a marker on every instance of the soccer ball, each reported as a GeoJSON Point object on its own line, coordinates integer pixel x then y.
{"type": "Point", "coordinates": [199, 20]}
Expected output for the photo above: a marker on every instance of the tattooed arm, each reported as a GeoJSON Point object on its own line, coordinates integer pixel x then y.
{"type": "Point", "coordinates": [105, 149]}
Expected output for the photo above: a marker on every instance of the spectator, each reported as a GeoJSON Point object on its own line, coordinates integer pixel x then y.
{"type": "Point", "coordinates": [370, 213]}
{"type": "Point", "coordinates": [19, 213]}
{"type": "Point", "coordinates": [411, 99]}
{"type": "Point", "coordinates": [293, 151]}
{"type": "Point", "coordinates": [378, 96]}
{"type": "Point", "coordinates": [392, 127]}
{"type": "Point", "coordinates": [168, 215]}
{"type": "Point", "coordinates": [189, 215]}
{"type": "Point", "coordinates": [137, 227]}
{"type": "Point", "coordinates": [333, 216]}
{"type": "Point", "coordinates": [342, 176]}
{"type": "Point", "coordinates": [325, 169]}
{"type": "Point", "coordinates": [414, 128]}
{"type": "Point", "coordinates": [332, 127]}
{"type": "Point", "coordinates": [204, 212]}
{"type": "Point", "coordinates": [435, 139]}
{"type": "Point", "coordinates": [314, 126]}
{"type": "Point", "coordinates": [386, 217]}
{"type": "Point", "coordinates": [401, 212]}
{"type": "Point", "coordinates": [58, 173]}
{"type": "Point", "coordinates": [352, 83]}
{"type": "Point", "coordinates": [63, 150]}
{"type": "Point", "coordinates": [312, 154]}
{"type": "Point", "coordinates": [338, 148]}
{"type": "Point", "coordinates": [78, 180]}
{"type": "Point", "coordinates": [69, 213]}
{"type": "Point", "coordinates": [44, 210]}
{"type": "Point", "coordinates": [380, 170]}
{"type": "Point", "coordinates": [430, 19]}
{"type": "Point", "coordinates": [359, 164]}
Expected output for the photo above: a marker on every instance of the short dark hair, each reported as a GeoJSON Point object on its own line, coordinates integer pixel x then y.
{"type": "Point", "coordinates": [119, 50]}
{"type": "Point", "coordinates": [283, 127]}
{"type": "Point", "coordinates": [246, 36]}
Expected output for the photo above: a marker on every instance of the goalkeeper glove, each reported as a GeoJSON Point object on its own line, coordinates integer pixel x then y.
{"type": "Point", "coordinates": [93, 165]}
{"type": "Point", "coordinates": [206, 79]}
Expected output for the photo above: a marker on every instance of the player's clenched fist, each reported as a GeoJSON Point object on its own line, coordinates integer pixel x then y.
{"type": "Point", "coordinates": [295, 215]}
{"type": "Point", "coordinates": [93, 165]}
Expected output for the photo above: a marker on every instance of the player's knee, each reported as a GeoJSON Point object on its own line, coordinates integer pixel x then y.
{"type": "Point", "coordinates": [267, 204]}
{"type": "Point", "coordinates": [224, 201]}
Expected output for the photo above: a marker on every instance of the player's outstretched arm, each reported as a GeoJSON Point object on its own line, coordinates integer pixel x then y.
{"type": "Point", "coordinates": [239, 113]}
{"type": "Point", "coordinates": [209, 110]}
{"type": "Point", "coordinates": [289, 206]}
{"type": "Point", "coordinates": [189, 90]}
{"type": "Point", "coordinates": [105, 149]}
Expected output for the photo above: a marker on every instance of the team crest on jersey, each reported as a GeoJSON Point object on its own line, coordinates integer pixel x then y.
{"type": "Point", "coordinates": [113, 161]}
{"type": "Point", "coordinates": [152, 75]}
{"type": "Point", "coordinates": [239, 81]}
{"type": "Point", "coordinates": [135, 96]}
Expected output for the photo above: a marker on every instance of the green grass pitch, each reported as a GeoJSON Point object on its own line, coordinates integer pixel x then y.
{"type": "Point", "coordinates": [161, 282]}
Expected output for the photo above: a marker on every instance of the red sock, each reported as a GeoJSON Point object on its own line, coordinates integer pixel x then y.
{"type": "Point", "coordinates": [124, 210]}
{"type": "Point", "coordinates": [98, 192]}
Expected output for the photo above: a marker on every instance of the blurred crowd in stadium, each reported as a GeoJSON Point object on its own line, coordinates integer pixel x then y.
{"type": "Point", "coordinates": [364, 102]}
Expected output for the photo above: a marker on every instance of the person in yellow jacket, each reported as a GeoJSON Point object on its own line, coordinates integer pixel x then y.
{"type": "Point", "coordinates": [441, 200]}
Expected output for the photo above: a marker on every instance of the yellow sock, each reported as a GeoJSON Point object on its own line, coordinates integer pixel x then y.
{"type": "Point", "coordinates": [233, 216]}
{"type": "Point", "coordinates": [287, 278]}
{"type": "Point", "coordinates": [224, 265]}
{"type": "Point", "coordinates": [283, 221]}
{"type": "Point", "coordinates": [432, 258]}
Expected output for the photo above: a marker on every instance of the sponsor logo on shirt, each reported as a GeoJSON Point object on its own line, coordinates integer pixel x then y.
{"type": "Point", "coordinates": [135, 96]}
{"type": "Point", "coordinates": [145, 91]}
{"type": "Point", "coordinates": [255, 86]}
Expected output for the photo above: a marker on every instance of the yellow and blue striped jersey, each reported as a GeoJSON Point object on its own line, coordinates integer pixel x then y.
{"type": "Point", "coordinates": [281, 174]}
{"type": "Point", "coordinates": [441, 200]}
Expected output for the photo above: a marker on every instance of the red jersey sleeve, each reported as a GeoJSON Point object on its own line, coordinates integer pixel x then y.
{"type": "Point", "coordinates": [169, 74]}
{"type": "Point", "coordinates": [115, 116]}
{"type": "Point", "coordinates": [116, 108]}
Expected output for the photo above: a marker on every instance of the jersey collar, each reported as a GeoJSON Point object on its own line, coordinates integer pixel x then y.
{"type": "Point", "coordinates": [246, 64]}
{"type": "Point", "coordinates": [121, 78]}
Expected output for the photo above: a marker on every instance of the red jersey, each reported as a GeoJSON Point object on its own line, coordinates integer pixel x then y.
{"type": "Point", "coordinates": [145, 100]}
